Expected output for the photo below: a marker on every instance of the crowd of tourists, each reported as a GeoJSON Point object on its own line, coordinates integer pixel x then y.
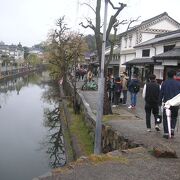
{"type": "Point", "coordinates": [154, 94]}
{"type": "Point", "coordinates": [118, 88]}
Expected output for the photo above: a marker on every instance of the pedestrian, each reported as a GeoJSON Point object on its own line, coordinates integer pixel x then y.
{"type": "Point", "coordinates": [89, 76]}
{"type": "Point", "coordinates": [81, 72]}
{"type": "Point", "coordinates": [110, 88]}
{"type": "Point", "coordinates": [117, 91]}
{"type": "Point", "coordinates": [125, 79]}
{"type": "Point", "coordinates": [133, 87]}
{"type": "Point", "coordinates": [169, 89]}
{"type": "Point", "coordinates": [151, 93]}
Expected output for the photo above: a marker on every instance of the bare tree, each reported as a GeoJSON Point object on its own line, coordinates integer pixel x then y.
{"type": "Point", "coordinates": [97, 28]}
{"type": "Point", "coordinates": [113, 24]}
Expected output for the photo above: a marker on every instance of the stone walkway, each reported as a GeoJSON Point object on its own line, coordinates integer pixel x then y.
{"type": "Point", "coordinates": [139, 164]}
{"type": "Point", "coordinates": [135, 128]}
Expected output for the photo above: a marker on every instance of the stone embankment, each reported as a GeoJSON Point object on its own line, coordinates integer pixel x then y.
{"type": "Point", "coordinates": [132, 147]}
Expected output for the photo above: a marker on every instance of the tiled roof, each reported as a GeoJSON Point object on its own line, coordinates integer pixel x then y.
{"type": "Point", "coordinates": [140, 61]}
{"type": "Point", "coordinates": [173, 54]}
{"type": "Point", "coordinates": [174, 35]}
{"type": "Point", "coordinates": [149, 21]}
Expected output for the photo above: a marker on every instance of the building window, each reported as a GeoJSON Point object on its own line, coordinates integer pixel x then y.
{"type": "Point", "coordinates": [145, 53]}
{"type": "Point", "coordinates": [169, 47]}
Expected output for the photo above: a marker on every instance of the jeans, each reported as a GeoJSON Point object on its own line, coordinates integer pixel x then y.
{"type": "Point", "coordinates": [117, 97]}
{"type": "Point", "coordinates": [174, 114]}
{"type": "Point", "coordinates": [124, 96]}
{"type": "Point", "coordinates": [111, 96]}
{"type": "Point", "coordinates": [154, 108]}
{"type": "Point", "coordinates": [133, 99]}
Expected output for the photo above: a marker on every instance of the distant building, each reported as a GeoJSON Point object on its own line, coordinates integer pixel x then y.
{"type": "Point", "coordinates": [13, 52]}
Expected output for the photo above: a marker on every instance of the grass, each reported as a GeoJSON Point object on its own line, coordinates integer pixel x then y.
{"type": "Point", "coordinates": [79, 129]}
{"type": "Point", "coordinates": [96, 159]}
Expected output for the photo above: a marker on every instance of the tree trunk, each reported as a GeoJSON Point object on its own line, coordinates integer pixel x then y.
{"type": "Point", "coordinates": [107, 105]}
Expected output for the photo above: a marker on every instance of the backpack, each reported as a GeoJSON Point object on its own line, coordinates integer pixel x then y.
{"type": "Point", "coordinates": [136, 87]}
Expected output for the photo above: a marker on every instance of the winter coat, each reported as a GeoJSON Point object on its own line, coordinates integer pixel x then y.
{"type": "Point", "coordinates": [132, 84]}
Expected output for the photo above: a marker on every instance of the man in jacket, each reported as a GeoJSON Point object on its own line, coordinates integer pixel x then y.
{"type": "Point", "coordinates": [133, 87]}
{"type": "Point", "coordinates": [169, 89]}
{"type": "Point", "coordinates": [151, 93]}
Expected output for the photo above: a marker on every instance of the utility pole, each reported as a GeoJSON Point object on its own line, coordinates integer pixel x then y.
{"type": "Point", "coordinates": [100, 103]}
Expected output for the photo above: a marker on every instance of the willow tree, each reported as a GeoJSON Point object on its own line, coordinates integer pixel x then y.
{"type": "Point", "coordinates": [65, 47]}
{"type": "Point", "coordinates": [96, 27]}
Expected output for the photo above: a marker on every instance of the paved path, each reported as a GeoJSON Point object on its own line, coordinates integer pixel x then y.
{"type": "Point", "coordinates": [140, 165]}
{"type": "Point", "coordinates": [134, 128]}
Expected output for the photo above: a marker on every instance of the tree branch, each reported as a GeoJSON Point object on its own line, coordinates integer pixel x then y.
{"type": "Point", "coordinates": [89, 6]}
{"type": "Point", "coordinates": [90, 25]}
{"type": "Point", "coordinates": [113, 18]}
{"type": "Point", "coordinates": [131, 21]}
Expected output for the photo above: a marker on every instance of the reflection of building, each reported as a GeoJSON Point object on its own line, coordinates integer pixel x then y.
{"type": "Point", "coordinates": [157, 55]}
{"type": "Point", "coordinates": [145, 31]}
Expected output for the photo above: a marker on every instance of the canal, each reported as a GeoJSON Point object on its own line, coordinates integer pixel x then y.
{"type": "Point", "coordinates": [31, 142]}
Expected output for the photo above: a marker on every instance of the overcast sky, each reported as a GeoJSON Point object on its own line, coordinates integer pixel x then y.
{"type": "Point", "coordinates": [29, 21]}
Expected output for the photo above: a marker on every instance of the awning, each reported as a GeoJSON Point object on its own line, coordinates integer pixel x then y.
{"type": "Point", "coordinates": [141, 61]}
{"type": "Point", "coordinates": [173, 54]}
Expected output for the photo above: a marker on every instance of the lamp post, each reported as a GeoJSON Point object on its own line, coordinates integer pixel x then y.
{"type": "Point", "coordinates": [97, 147]}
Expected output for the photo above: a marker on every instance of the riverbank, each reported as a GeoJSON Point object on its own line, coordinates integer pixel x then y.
{"type": "Point", "coordinates": [126, 132]}
{"type": "Point", "coordinates": [11, 76]}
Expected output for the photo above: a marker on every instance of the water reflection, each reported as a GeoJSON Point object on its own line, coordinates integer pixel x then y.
{"type": "Point", "coordinates": [54, 141]}
{"type": "Point", "coordinates": [28, 103]}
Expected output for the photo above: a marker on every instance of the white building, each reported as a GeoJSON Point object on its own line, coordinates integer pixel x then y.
{"type": "Point", "coordinates": [145, 31]}
{"type": "Point", "coordinates": [157, 56]}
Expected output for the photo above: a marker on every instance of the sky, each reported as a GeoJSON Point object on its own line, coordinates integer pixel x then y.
{"type": "Point", "coordinates": [30, 21]}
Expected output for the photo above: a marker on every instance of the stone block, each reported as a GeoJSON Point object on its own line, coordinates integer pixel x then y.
{"type": "Point", "coordinates": [164, 151]}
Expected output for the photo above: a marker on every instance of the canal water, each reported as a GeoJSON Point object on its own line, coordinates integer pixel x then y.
{"type": "Point", "coordinates": [31, 140]}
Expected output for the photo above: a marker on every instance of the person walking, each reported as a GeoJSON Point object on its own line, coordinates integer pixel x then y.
{"type": "Point", "coordinates": [133, 87]}
{"type": "Point", "coordinates": [150, 94]}
{"type": "Point", "coordinates": [110, 88]}
{"type": "Point", "coordinates": [89, 75]}
{"type": "Point", "coordinates": [169, 89]}
{"type": "Point", "coordinates": [124, 87]}
{"type": "Point", "coordinates": [117, 91]}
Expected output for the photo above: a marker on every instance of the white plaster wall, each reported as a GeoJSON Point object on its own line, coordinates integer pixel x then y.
{"type": "Point", "coordinates": [164, 24]}
{"type": "Point", "coordinates": [133, 42]}
{"type": "Point", "coordinates": [125, 58]}
{"type": "Point", "coordinates": [147, 36]}
{"type": "Point", "coordinates": [178, 43]}
{"type": "Point", "coordinates": [139, 52]}
{"type": "Point", "coordinates": [159, 49]}
{"type": "Point", "coordinates": [122, 59]}
{"type": "Point", "coordinates": [133, 39]}
{"type": "Point", "coordinates": [130, 57]}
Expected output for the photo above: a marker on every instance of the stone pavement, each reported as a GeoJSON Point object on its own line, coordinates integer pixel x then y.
{"type": "Point", "coordinates": [134, 128]}
{"type": "Point", "coordinates": [139, 164]}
